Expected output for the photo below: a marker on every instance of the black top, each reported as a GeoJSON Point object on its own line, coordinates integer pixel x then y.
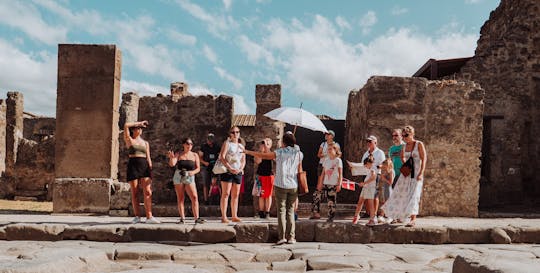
{"type": "Point", "coordinates": [265, 168]}
{"type": "Point", "coordinates": [188, 165]}
{"type": "Point", "coordinates": [210, 153]}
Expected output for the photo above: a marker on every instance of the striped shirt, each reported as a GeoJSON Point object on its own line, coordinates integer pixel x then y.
{"type": "Point", "coordinates": [287, 160]}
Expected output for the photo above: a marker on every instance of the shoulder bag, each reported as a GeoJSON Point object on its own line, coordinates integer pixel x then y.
{"type": "Point", "coordinates": [408, 167]}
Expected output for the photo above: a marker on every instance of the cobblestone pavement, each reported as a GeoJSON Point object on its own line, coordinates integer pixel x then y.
{"type": "Point", "coordinates": [86, 256]}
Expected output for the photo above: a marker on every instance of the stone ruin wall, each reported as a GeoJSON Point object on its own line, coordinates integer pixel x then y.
{"type": "Point", "coordinates": [507, 66]}
{"type": "Point", "coordinates": [447, 117]}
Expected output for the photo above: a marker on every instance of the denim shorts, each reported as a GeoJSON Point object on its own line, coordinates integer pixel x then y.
{"type": "Point", "coordinates": [231, 178]}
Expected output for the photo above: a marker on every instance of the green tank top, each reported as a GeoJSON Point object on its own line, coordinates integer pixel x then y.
{"type": "Point", "coordinates": [137, 150]}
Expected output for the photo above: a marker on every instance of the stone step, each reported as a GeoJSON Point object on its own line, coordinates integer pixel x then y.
{"type": "Point", "coordinates": [265, 231]}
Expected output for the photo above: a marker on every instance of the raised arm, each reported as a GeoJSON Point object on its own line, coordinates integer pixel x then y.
{"type": "Point", "coordinates": [270, 155]}
{"type": "Point", "coordinates": [127, 125]}
{"type": "Point", "coordinates": [173, 158]}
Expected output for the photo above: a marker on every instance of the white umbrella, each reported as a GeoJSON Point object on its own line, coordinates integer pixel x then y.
{"type": "Point", "coordinates": [297, 117]}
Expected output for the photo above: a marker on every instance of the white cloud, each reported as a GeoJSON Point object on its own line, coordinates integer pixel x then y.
{"type": "Point", "coordinates": [240, 105]}
{"type": "Point", "coordinates": [32, 74]}
{"type": "Point", "coordinates": [254, 51]}
{"type": "Point", "coordinates": [367, 21]}
{"type": "Point", "coordinates": [342, 23]}
{"type": "Point", "coordinates": [473, 1]}
{"type": "Point", "coordinates": [181, 38]}
{"type": "Point", "coordinates": [210, 54]}
{"type": "Point", "coordinates": [217, 24]}
{"type": "Point", "coordinates": [237, 83]}
{"type": "Point", "coordinates": [141, 88]}
{"type": "Point", "coordinates": [319, 64]}
{"type": "Point", "coordinates": [397, 10]}
{"type": "Point", "coordinates": [227, 4]}
{"type": "Point", "coordinates": [24, 16]}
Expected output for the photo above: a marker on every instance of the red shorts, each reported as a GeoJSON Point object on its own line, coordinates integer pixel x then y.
{"type": "Point", "coordinates": [267, 185]}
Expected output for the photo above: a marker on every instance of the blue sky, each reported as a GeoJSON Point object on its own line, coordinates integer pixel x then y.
{"type": "Point", "coordinates": [317, 50]}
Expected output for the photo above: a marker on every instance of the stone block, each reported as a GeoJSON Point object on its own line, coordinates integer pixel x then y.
{"type": "Point", "coordinates": [3, 233]}
{"type": "Point", "coordinates": [162, 232]}
{"type": "Point", "coordinates": [468, 235]}
{"type": "Point", "coordinates": [305, 231]}
{"type": "Point", "coordinates": [82, 195]}
{"type": "Point", "coordinates": [335, 263]}
{"type": "Point", "coordinates": [499, 236]}
{"type": "Point", "coordinates": [331, 232]}
{"type": "Point", "coordinates": [273, 255]}
{"type": "Point", "coordinates": [3, 124]}
{"type": "Point", "coordinates": [268, 94]}
{"type": "Point", "coordinates": [358, 234]}
{"type": "Point", "coordinates": [98, 233]}
{"type": "Point", "coordinates": [198, 257]}
{"type": "Point", "coordinates": [87, 111]}
{"type": "Point", "coordinates": [290, 266]}
{"type": "Point", "coordinates": [523, 234]}
{"type": "Point", "coordinates": [34, 232]}
{"type": "Point", "coordinates": [410, 235]}
{"type": "Point", "coordinates": [120, 196]}
{"type": "Point", "coordinates": [237, 256]}
{"type": "Point", "coordinates": [119, 212]}
{"type": "Point", "coordinates": [252, 233]}
{"type": "Point", "coordinates": [212, 234]}
{"type": "Point", "coordinates": [14, 129]}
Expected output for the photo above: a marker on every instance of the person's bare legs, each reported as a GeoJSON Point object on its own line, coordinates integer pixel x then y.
{"type": "Point", "coordinates": [376, 205]}
{"type": "Point", "coordinates": [135, 197]}
{"type": "Point", "coordinates": [179, 188]}
{"type": "Point", "coordinates": [147, 189]}
{"type": "Point", "coordinates": [235, 192]}
{"type": "Point", "coordinates": [191, 190]}
{"type": "Point", "coordinates": [225, 192]}
{"type": "Point", "coordinates": [372, 213]}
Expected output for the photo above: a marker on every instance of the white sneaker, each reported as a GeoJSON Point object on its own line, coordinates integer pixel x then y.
{"type": "Point", "coordinates": [136, 220]}
{"type": "Point", "coordinates": [381, 219]}
{"type": "Point", "coordinates": [153, 220]}
{"type": "Point", "coordinates": [291, 241]}
{"type": "Point", "coordinates": [280, 242]}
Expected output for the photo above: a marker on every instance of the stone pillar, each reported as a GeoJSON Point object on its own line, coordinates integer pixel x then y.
{"type": "Point", "coordinates": [129, 109]}
{"type": "Point", "coordinates": [14, 128]}
{"type": "Point", "coordinates": [86, 127]}
{"type": "Point", "coordinates": [268, 98]}
{"type": "Point", "coordinates": [179, 90]}
{"type": "Point", "coordinates": [2, 137]}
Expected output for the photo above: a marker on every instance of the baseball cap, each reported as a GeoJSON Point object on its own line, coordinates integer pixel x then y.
{"type": "Point", "coordinates": [210, 136]}
{"type": "Point", "coordinates": [331, 132]}
{"type": "Point", "coordinates": [372, 138]}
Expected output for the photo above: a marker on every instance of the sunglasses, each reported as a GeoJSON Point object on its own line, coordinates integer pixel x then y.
{"type": "Point", "coordinates": [395, 135]}
{"type": "Point", "coordinates": [405, 135]}
{"type": "Point", "coordinates": [189, 143]}
{"type": "Point", "coordinates": [368, 141]}
{"type": "Point", "coordinates": [235, 132]}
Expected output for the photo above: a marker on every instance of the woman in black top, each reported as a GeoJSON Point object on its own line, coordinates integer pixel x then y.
{"type": "Point", "coordinates": [187, 166]}
{"type": "Point", "coordinates": [265, 178]}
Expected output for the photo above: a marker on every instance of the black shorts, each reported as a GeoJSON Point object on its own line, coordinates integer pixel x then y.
{"type": "Point", "coordinates": [231, 178]}
{"type": "Point", "coordinates": [138, 168]}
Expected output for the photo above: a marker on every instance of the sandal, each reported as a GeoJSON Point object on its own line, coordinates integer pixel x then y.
{"type": "Point", "coordinates": [225, 221]}
{"type": "Point", "coordinates": [355, 220]}
{"type": "Point", "coordinates": [237, 220]}
{"type": "Point", "coordinates": [410, 224]}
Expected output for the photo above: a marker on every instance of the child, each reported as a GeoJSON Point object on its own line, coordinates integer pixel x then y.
{"type": "Point", "coordinates": [214, 194]}
{"type": "Point", "coordinates": [329, 183]}
{"type": "Point", "coordinates": [368, 193]}
{"type": "Point", "coordinates": [265, 177]}
{"type": "Point", "coordinates": [385, 184]}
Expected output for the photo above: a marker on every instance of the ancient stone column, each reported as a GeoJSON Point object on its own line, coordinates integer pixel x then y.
{"type": "Point", "coordinates": [268, 98]}
{"type": "Point", "coordinates": [14, 128]}
{"type": "Point", "coordinates": [2, 137]}
{"type": "Point", "coordinates": [179, 90]}
{"type": "Point", "coordinates": [129, 109]}
{"type": "Point", "coordinates": [86, 127]}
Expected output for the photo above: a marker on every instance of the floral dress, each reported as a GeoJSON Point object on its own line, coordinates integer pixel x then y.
{"type": "Point", "coordinates": [405, 198]}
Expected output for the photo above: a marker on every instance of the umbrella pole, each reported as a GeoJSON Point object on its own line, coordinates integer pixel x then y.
{"type": "Point", "coordinates": [294, 130]}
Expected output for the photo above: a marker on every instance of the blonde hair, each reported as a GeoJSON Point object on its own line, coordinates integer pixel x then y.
{"type": "Point", "coordinates": [335, 146]}
{"type": "Point", "coordinates": [408, 129]}
{"type": "Point", "coordinates": [388, 162]}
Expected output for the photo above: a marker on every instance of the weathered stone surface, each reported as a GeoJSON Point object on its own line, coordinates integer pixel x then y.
{"type": "Point", "coordinates": [494, 265]}
{"type": "Point", "coordinates": [2, 233]}
{"type": "Point", "coordinates": [14, 129]}
{"type": "Point", "coordinates": [336, 263]}
{"type": "Point", "coordinates": [237, 256]}
{"type": "Point", "coordinates": [99, 233]}
{"type": "Point", "coordinates": [120, 196]}
{"type": "Point", "coordinates": [212, 234]}
{"type": "Point", "coordinates": [162, 232]}
{"type": "Point", "coordinates": [273, 255]}
{"type": "Point", "coordinates": [305, 254]}
{"type": "Point", "coordinates": [87, 111]}
{"type": "Point", "coordinates": [145, 252]}
{"type": "Point", "coordinates": [35, 232]}
{"type": "Point", "coordinates": [468, 235]}
{"type": "Point", "coordinates": [252, 233]}
{"type": "Point", "coordinates": [407, 235]}
{"type": "Point", "coordinates": [3, 124]}
{"type": "Point", "coordinates": [251, 267]}
{"type": "Point", "coordinates": [289, 266]}
{"type": "Point", "coordinates": [197, 257]}
{"type": "Point", "coordinates": [327, 232]}
{"type": "Point", "coordinates": [506, 66]}
{"type": "Point", "coordinates": [82, 195]}
{"type": "Point", "coordinates": [499, 236]}
{"type": "Point", "coordinates": [305, 231]}
{"type": "Point", "coordinates": [434, 109]}
{"type": "Point", "coordinates": [523, 234]}
{"type": "Point", "coordinates": [358, 234]}
{"type": "Point", "coordinates": [119, 212]}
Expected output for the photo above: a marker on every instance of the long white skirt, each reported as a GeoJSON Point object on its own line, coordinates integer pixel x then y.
{"type": "Point", "coordinates": [405, 198]}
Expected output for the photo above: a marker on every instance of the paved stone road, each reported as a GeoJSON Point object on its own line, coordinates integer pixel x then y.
{"type": "Point", "coordinates": [86, 256]}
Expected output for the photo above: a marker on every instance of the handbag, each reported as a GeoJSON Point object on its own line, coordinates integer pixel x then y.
{"type": "Point", "coordinates": [219, 168]}
{"type": "Point", "coordinates": [408, 167]}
